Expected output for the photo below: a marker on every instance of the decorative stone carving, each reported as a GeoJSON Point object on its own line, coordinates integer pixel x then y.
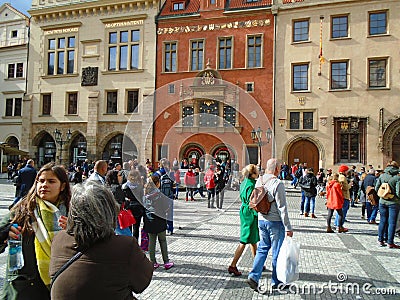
{"type": "Point", "coordinates": [89, 76]}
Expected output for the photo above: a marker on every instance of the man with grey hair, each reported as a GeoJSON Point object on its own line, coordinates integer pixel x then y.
{"type": "Point", "coordinates": [272, 226]}
{"type": "Point", "coordinates": [99, 173]}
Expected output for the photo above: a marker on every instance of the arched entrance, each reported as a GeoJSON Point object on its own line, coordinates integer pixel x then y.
{"type": "Point", "coordinates": [193, 153]}
{"type": "Point", "coordinates": [304, 151]}
{"type": "Point", "coordinates": [46, 148]}
{"type": "Point", "coordinates": [396, 148]}
{"type": "Point", "coordinates": [78, 151]}
{"type": "Point", "coordinates": [120, 148]}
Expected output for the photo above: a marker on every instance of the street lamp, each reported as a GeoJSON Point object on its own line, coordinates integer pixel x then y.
{"type": "Point", "coordinates": [59, 139]}
{"type": "Point", "coordinates": [256, 136]}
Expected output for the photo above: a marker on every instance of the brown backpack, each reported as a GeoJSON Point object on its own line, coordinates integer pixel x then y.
{"type": "Point", "coordinates": [259, 200]}
{"type": "Point", "coordinates": [371, 195]}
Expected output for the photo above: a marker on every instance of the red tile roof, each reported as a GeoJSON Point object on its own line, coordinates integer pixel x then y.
{"type": "Point", "coordinates": [191, 7]}
{"type": "Point", "coordinates": [242, 4]}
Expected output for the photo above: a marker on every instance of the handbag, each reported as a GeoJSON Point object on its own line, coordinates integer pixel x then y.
{"type": "Point", "coordinates": [125, 217]}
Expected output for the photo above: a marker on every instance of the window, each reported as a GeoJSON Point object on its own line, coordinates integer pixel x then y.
{"type": "Point", "coordinates": [249, 87]}
{"type": "Point", "coordinates": [133, 102]}
{"type": "Point", "coordinates": [46, 104]}
{"type": "Point", "coordinates": [250, 1]}
{"type": "Point", "coordinates": [187, 116]}
{"type": "Point", "coordinates": [213, 2]}
{"type": "Point", "coordinates": [339, 75]}
{"type": "Point", "coordinates": [123, 50]}
{"type": "Point", "coordinates": [171, 88]}
{"type": "Point", "coordinates": [301, 120]}
{"type": "Point", "coordinates": [178, 6]}
{"type": "Point", "coordinates": [225, 53]}
{"type": "Point", "coordinates": [16, 70]}
{"type": "Point", "coordinates": [209, 112]}
{"type": "Point", "coordinates": [300, 77]}
{"type": "Point", "coordinates": [170, 57]}
{"type": "Point", "coordinates": [254, 44]}
{"type": "Point", "coordinates": [61, 55]}
{"type": "Point", "coordinates": [350, 137]}
{"type": "Point", "coordinates": [72, 99]}
{"type": "Point", "coordinates": [196, 51]}
{"type": "Point", "coordinates": [300, 31]}
{"type": "Point", "coordinates": [111, 102]}
{"type": "Point", "coordinates": [14, 33]}
{"type": "Point", "coordinates": [377, 23]}
{"type": "Point", "coordinates": [251, 155]}
{"type": "Point", "coordinates": [162, 152]}
{"type": "Point", "coordinates": [229, 116]}
{"type": "Point", "coordinates": [196, 59]}
{"type": "Point", "coordinates": [13, 107]}
{"type": "Point", "coordinates": [377, 73]}
{"type": "Point", "coordinates": [340, 27]}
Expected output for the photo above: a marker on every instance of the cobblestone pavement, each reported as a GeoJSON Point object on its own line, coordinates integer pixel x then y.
{"type": "Point", "coordinates": [203, 247]}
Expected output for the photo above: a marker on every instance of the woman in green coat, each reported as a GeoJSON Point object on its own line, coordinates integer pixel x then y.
{"type": "Point", "coordinates": [248, 218]}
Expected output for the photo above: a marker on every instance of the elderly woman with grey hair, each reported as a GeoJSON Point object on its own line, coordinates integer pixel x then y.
{"type": "Point", "coordinates": [111, 266]}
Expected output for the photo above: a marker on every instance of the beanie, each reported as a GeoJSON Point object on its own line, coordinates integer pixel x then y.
{"type": "Point", "coordinates": [343, 168]}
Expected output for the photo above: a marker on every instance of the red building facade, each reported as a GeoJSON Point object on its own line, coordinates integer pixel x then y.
{"type": "Point", "coordinates": [214, 80]}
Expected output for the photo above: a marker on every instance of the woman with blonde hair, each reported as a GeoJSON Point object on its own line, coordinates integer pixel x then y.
{"type": "Point", "coordinates": [248, 218]}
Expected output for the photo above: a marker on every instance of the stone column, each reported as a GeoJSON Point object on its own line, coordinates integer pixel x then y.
{"type": "Point", "coordinates": [92, 125]}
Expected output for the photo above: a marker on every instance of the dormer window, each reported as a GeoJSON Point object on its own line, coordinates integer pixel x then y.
{"type": "Point", "coordinates": [178, 6]}
{"type": "Point", "coordinates": [251, 1]}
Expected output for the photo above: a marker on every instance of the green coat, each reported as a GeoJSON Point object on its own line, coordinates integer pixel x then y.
{"type": "Point", "coordinates": [248, 216]}
{"type": "Point", "coordinates": [25, 283]}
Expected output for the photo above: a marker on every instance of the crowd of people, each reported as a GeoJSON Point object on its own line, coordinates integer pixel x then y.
{"type": "Point", "coordinates": [71, 229]}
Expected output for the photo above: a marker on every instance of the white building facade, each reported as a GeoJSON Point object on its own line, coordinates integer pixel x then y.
{"type": "Point", "coordinates": [14, 28]}
{"type": "Point", "coordinates": [91, 73]}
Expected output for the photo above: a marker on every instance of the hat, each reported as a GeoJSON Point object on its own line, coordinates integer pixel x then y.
{"type": "Point", "coordinates": [371, 171]}
{"type": "Point", "coordinates": [343, 168]}
{"type": "Point", "coordinates": [329, 169]}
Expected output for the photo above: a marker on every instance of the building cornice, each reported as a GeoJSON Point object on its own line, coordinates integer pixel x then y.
{"type": "Point", "coordinates": [81, 10]}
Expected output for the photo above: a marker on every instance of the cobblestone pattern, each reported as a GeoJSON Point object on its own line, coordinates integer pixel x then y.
{"type": "Point", "coordinates": [204, 246]}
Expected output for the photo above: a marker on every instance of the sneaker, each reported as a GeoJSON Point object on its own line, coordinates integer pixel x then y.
{"type": "Point", "coordinates": [156, 265]}
{"type": "Point", "coordinates": [168, 265]}
{"type": "Point", "coordinates": [382, 244]}
{"type": "Point", "coordinates": [252, 284]}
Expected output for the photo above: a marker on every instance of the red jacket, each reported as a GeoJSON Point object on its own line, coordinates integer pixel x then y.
{"type": "Point", "coordinates": [334, 195]}
{"type": "Point", "coordinates": [209, 179]}
{"type": "Point", "coordinates": [190, 179]}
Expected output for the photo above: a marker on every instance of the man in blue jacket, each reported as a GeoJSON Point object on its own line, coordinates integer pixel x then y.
{"type": "Point", "coordinates": [26, 179]}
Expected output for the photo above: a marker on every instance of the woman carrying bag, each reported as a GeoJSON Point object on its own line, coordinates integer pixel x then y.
{"type": "Point", "coordinates": [39, 215]}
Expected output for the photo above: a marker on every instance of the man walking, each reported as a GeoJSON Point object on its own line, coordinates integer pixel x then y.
{"type": "Point", "coordinates": [273, 226]}
{"type": "Point", "coordinates": [26, 179]}
{"type": "Point", "coordinates": [99, 173]}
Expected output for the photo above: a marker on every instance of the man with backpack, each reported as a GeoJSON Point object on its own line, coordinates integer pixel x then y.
{"type": "Point", "coordinates": [167, 188]}
{"type": "Point", "coordinates": [389, 204]}
{"type": "Point", "coordinates": [273, 226]}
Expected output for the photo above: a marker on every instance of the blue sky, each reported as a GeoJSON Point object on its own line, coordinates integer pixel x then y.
{"type": "Point", "coordinates": [21, 5]}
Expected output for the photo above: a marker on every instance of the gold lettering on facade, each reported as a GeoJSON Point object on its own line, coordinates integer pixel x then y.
{"type": "Point", "coordinates": [61, 30]}
{"type": "Point", "coordinates": [199, 28]}
{"type": "Point", "coordinates": [124, 24]}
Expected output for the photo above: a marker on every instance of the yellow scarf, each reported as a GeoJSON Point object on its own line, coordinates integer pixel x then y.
{"type": "Point", "coordinates": [45, 227]}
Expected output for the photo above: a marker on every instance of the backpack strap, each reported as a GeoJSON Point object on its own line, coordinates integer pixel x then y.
{"type": "Point", "coordinates": [65, 266]}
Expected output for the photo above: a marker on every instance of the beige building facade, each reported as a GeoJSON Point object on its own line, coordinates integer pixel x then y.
{"type": "Point", "coordinates": [337, 80]}
{"type": "Point", "coordinates": [91, 77]}
{"type": "Point", "coordinates": [14, 26]}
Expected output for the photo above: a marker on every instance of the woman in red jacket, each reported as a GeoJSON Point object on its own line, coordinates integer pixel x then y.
{"type": "Point", "coordinates": [209, 180]}
{"type": "Point", "coordinates": [190, 182]}
{"type": "Point", "coordinates": [335, 201]}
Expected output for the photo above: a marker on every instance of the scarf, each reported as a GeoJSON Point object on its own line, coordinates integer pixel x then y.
{"type": "Point", "coordinates": [45, 227]}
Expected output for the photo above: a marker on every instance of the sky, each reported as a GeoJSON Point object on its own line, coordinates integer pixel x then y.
{"type": "Point", "coordinates": [21, 5]}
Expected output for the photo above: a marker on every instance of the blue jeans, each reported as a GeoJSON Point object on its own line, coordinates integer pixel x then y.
{"type": "Point", "coordinates": [307, 204]}
{"type": "Point", "coordinates": [170, 216]}
{"type": "Point", "coordinates": [372, 211]}
{"type": "Point", "coordinates": [177, 190]}
{"type": "Point", "coordinates": [389, 215]}
{"type": "Point", "coordinates": [303, 200]}
{"type": "Point", "coordinates": [345, 208]}
{"type": "Point", "coordinates": [294, 181]}
{"type": "Point", "coordinates": [272, 234]}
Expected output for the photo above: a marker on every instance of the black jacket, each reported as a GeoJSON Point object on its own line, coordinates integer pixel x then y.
{"type": "Point", "coordinates": [308, 184]}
